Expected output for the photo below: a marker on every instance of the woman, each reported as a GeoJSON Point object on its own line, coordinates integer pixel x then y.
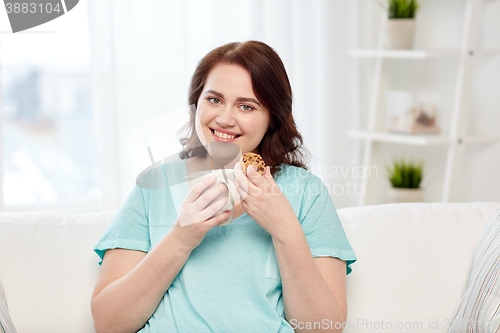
{"type": "Point", "coordinates": [279, 266]}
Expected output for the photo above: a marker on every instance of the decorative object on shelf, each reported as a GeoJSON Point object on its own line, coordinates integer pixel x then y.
{"type": "Point", "coordinates": [405, 177]}
{"type": "Point", "coordinates": [400, 26]}
{"type": "Point", "coordinates": [412, 113]}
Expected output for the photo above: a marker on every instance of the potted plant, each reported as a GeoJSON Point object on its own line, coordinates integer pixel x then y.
{"type": "Point", "coordinates": [405, 177]}
{"type": "Point", "coordinates": [400, 26]}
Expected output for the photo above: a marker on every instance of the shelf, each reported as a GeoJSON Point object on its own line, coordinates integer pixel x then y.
{"type": "Point", "coordinates": [417, 139]}
{"type": "Point", "coordinates": [404, 54]}
{"type": "Point", "coordinates": [415, 54]}
{"type": "Point", "coordinates": [490, 52]}
{"type": "Point", "coordinates": [481, 139]}
{"type": "Point", "coordinates": [409, 139]}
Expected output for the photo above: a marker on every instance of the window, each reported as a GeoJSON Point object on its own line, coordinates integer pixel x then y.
{"type": "Point", "coordinates": [47, 132]}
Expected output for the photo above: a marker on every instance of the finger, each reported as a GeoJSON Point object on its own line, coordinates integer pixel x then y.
{"type": "Point", "coordinates": [239, 176]}
{"type": "Point", "coordinates": [254, 176]}
{"type": "Point", "coordinates": [237, 197]}
{"type": "Point", "coordinates": [267, 174]}
{"type": "Point", "coordinates": [269, 177]}
{"type": "Point", "coordinates": [241, 193]}
{"type": "Point", "coordinates": [218, 219]}
{"type": "Point", "coordinates": [204, 200]}
{"type": "Point", "coordinates": [218, 204]}
{"type": "Point", "coordinates": [209, 211]}
{"type": "Point", "coordinates": [198, 189]}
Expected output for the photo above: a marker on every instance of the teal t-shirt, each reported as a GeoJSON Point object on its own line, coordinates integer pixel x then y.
{"type": "Point", "coordinates": [231, 281]}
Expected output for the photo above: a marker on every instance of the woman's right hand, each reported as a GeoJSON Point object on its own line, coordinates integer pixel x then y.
{"type": "Point", "coordinates": [195, 215]}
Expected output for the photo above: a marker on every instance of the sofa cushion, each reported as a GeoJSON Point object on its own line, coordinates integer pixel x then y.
{"type": "Point", "coordinates": [478, 309]}
{"type": "Point", "coordinates": [6, 325]}
{"type": "Point", "coordinates": [413, 261]}
{"type": "Point", "coordinates": [49, 269]}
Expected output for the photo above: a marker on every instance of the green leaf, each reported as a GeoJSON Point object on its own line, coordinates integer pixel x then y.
{"type": "Point", "coordinates": [405, 174]}
{"type": "Point", "coordinates": [402, 9]}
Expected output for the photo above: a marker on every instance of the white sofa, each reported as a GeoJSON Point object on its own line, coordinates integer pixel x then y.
{"type": "Point", "coordinates": [413, 262]}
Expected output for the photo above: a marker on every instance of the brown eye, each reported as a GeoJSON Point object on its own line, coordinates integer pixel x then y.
{"type": "Point", "coordinates": [214, 100]}
{"type": "Point", "coordinates": [246, 108]}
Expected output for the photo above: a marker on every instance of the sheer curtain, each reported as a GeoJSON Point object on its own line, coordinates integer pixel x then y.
{"type": "Point", "coordinates": [144, 53]}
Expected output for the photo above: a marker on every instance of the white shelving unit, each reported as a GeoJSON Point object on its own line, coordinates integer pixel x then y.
{"type": "Point", "coordinates": [415, 54]}
{"type": "Point", "coordinates": [457, 137]}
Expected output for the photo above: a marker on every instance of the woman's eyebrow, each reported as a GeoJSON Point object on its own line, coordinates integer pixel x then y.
{"type": "Point", "coordinates": [246, 99]}
{"type": "Point", "coordinates": [239, 99]}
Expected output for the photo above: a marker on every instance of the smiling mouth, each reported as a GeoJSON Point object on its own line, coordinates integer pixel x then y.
{"type": "Point", "coordinates": [222, 136]}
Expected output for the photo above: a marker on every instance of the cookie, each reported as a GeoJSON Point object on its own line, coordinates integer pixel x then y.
{"type": "Point", "coordinates": [253, 159]}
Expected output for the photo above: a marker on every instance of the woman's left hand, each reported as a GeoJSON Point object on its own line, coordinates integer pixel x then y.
{"type": "Point", "coordinates": [262, 199]}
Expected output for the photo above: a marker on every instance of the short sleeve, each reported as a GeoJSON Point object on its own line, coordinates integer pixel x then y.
{"type": "Point", "coordinates": [321, 224]}
{"type": "Point", "coordinates": [130, 227]}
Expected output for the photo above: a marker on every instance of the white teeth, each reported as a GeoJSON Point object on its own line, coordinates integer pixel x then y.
{"type": "Point", "coordinates": [224, 135]}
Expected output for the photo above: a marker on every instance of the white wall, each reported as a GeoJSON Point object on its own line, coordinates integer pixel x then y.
{"type": "Point", "coordinates": [440, 25]}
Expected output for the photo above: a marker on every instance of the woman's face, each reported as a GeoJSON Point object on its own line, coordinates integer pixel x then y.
{"type": "Point", "coordinates": [228, 110]}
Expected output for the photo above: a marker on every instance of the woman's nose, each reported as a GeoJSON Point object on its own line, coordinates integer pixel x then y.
{"type": "Point", "coordinates": [226, 117]}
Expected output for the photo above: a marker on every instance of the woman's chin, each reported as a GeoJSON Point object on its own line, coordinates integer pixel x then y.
{"type": "Point", "coordinates": [223, 151]}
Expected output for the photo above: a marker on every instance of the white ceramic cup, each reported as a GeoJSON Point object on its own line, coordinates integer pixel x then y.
{"type": "Point", "coordinates": [225, 176]}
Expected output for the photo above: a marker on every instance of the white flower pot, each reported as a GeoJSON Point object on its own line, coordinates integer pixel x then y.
{"type": "Point", "coordinates": [399, 33]}
{"type": "Point", "coordinates": [406, 194]}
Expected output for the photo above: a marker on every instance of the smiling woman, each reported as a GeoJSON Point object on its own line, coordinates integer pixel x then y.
{"type": "Point", "coordinates": [229, 117]}
{"type": "Point", "coordinates": [249, 77]}
{"type": "Point", "coordinates": [284, 256]}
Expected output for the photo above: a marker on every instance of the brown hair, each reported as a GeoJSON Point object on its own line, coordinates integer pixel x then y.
{"type": "Point", "coordinates": [282, 143]}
